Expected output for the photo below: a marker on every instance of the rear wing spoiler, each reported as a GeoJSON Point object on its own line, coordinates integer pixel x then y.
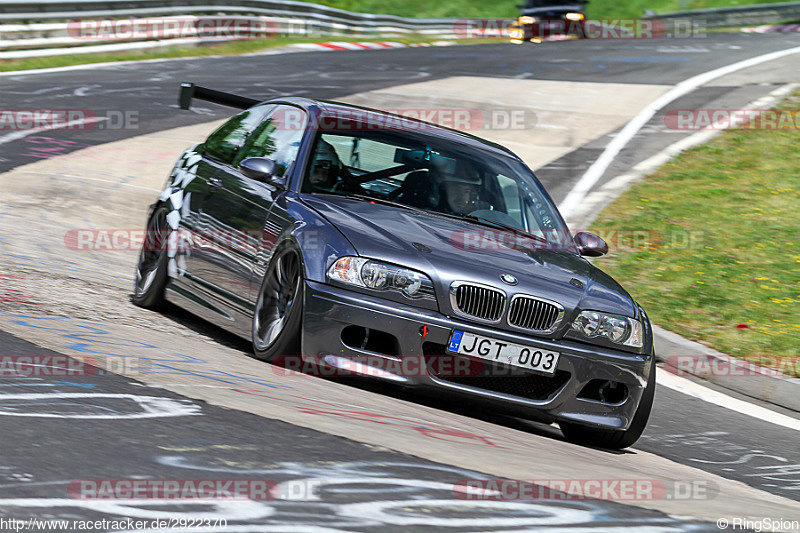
{"type": "Point", "coordinates": [189, 91]}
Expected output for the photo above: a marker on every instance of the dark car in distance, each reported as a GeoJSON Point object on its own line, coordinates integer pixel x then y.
{"type": "Point", "coordinates": [540, 19]}
{"type": "Point", "coordinates": [378, 245]}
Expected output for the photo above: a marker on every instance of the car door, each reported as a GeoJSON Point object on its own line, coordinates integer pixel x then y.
{"type": "Point", "coordinates": [279, 140]}
{"type": "Point", "coordinates": [213, 231]}
{"type": "Point", "coordinates": [237, 208]}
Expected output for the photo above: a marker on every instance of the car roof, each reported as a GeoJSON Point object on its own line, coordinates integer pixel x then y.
{"type": "Point", "coordinates": [330, 108]}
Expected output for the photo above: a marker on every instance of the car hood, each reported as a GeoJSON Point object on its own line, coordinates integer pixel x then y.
{"type": "Point", "coordinates": [435, 245]}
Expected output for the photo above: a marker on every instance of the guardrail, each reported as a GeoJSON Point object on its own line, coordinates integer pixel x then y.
{"type": "Point", "coordinates": [88, 31]}
{"type": "Point", "coordinates": [29, 29]}
{"type": "Point", "coordinates": [42, 10]}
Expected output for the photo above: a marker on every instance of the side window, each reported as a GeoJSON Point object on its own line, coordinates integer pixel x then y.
{"type": "Point", "coordinates": [510, 191]}
{"type": "Point", "coordinates": [277, 137]}
{"type": "Point", "coordinates": [224, 144]}
{"type": "Point", "coordinates": [363, 154]}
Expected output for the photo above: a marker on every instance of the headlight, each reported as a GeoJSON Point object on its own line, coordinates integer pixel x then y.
{"type": "Point", "coordinates": [618, 329]}
{"type": "Point", "coordinates": [527, 20]}
{"type": "Point", "coordinates": [574, 16]}
{"type": "Point", "coordinates": [363, 272]}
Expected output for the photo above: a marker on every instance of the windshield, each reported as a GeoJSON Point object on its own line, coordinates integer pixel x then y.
{"type": "Point", "coordinates": [438, 177]}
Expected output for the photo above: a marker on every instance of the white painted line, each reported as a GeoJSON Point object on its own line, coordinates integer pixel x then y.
{"type": "Point", "coordinates": [24, 133]}
{"type": "Point", "coordinates": [599, 167]}
{"type": "Point", "coordinates": [151, 406]}
{"type": "Point", "coordinates": [690, 388]}
{"type": "Point", "coordinates": [310, 46]}
{"type": "Point", "coordinates": [371, 46]}
{"type": "Point", "coordinates": [343, 44]}
{"type": "Point", "coordinates": [585, 213]}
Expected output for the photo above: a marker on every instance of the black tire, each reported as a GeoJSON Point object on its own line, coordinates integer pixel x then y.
{"type": "Point", "coordinates": [616, 439]}
{"type": "Point", "coordinates": [151, 269]}
{"type": "Point", "coordinates": [277, 319]}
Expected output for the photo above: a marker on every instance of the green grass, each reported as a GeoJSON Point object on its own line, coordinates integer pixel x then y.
{"type": "Point", "coordinates": [507, 8]}
{"type": "Point", "coordinates": [426, 9]}
{"type": "Point", "coordinates": [636, 8]}
{"type": "Point", "coordinates": [724, 246]}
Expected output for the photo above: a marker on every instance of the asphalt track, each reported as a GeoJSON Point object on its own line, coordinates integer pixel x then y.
{"type": "Point", "coordinates": [41, 455]}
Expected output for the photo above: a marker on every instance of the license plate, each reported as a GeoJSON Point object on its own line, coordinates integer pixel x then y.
{"type": "Point", "coordinates": [507, 353]}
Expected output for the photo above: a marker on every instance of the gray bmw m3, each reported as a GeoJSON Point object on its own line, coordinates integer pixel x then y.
{"type": "Point", "coordinates": [364, 243]}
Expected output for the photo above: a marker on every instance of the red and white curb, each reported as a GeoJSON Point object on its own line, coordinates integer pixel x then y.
{"type": "Point", "coordinates": [342, 45]}
{"type": "Point", "coordinates": [121, 47]}
{"type": "Point", "coordinates": [779, 28]}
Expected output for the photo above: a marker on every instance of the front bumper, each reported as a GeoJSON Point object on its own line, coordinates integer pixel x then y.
{"type": "Point", "coordinates": [537, 31]}
{"type": "Point", "coordinates": [329, 310]}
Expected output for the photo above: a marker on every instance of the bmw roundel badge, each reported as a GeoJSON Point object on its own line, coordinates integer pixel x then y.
{"type": "Point", "coordinates": [508, 278]}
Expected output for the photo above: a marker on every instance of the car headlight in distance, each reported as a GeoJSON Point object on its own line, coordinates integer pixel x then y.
{"type": "Point", "coordinates": [618, 329]}
{"type": "Point", "coordinates": [574, 16]}
{"type": "Point", "coordinates": [527, 20]}
{"type": "Point", "coordinates": [371, 274]}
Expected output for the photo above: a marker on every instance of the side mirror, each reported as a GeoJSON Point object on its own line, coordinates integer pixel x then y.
{"type": "Point", "coordinates": [590, 245]}
{"type": "Point", "coordinates": [260, 169]}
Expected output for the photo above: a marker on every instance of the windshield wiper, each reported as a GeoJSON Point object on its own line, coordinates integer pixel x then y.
{"type": "Point", "coordinates": [481, 221]}
{"type": "Point", "coordinates": [378, 200]}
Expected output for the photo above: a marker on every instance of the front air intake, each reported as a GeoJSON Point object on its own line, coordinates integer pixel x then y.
{"type": "Point", "coordinates": [534, 314]}
{"type": "Point", "coordinates": [477, 301]}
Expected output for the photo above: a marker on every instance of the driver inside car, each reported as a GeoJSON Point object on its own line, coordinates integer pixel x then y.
{"type": "Point", "coordinates": [459, 191]}
{"type": "Point", "coordinates": [326, 168]}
